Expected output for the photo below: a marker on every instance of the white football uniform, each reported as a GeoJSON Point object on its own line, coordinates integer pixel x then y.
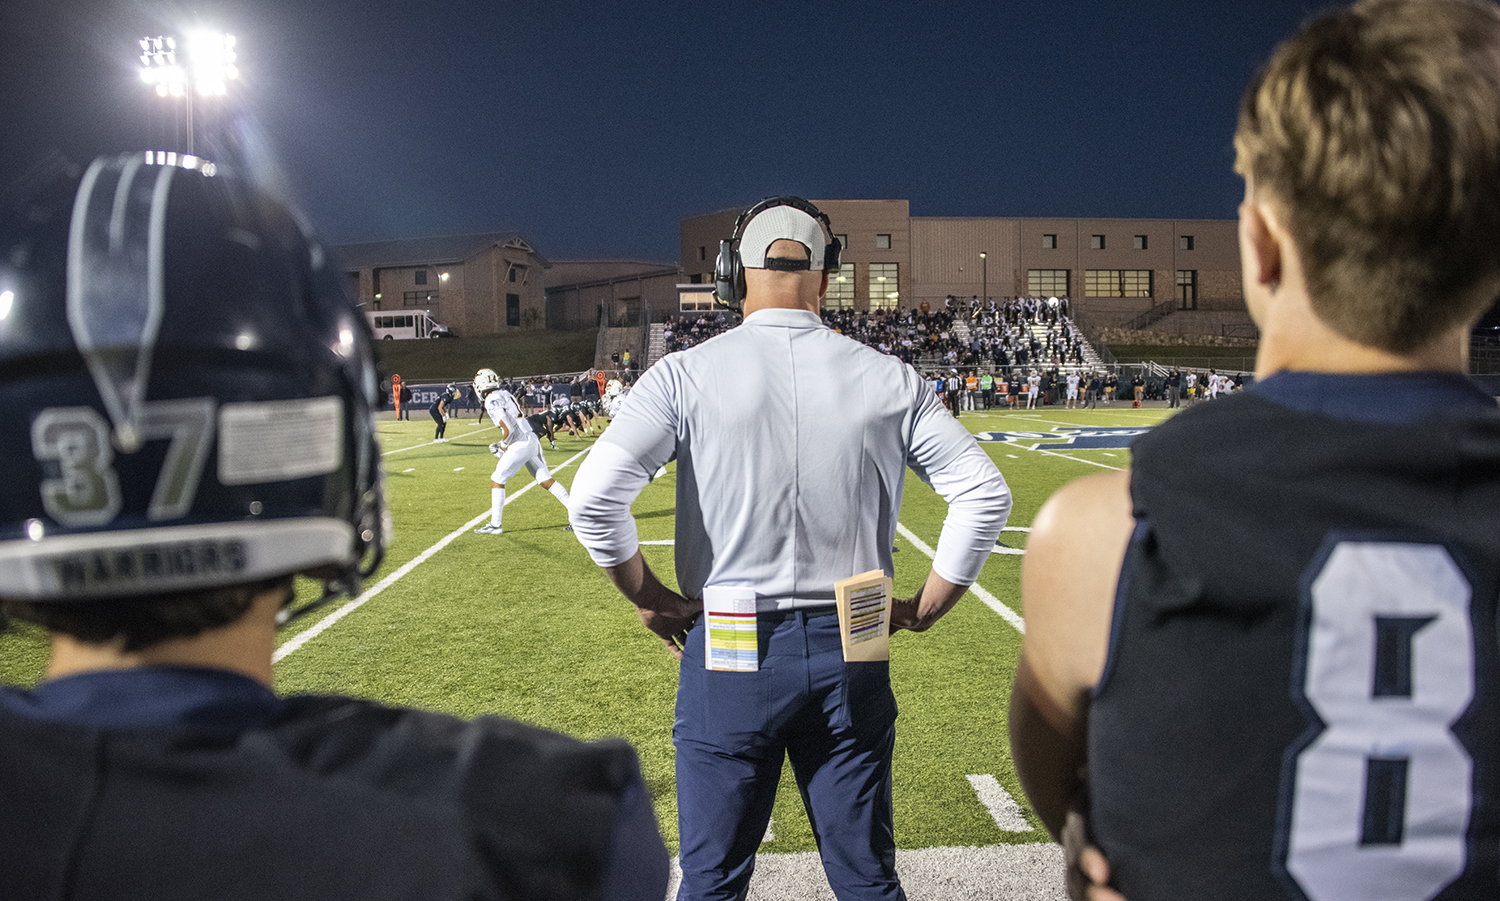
{"type": "Point", "coordinates": [518, 443]}
{"type": "Point", "coordinates": [518, 446]}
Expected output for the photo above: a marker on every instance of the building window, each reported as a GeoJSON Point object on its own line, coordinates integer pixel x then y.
{"type": "Point", "coordinates": [421, 276]}
{"type": "Point", "coordinates": [885, 290]}
{"type": "Point", "coordinates": [1184, 242]}
{"type": "Point", "coordinates": [1140, 242]}
{"type": "Point", "coordinates": [702, 253]}
{"type": "Point", "coordinates": [1117, 283]}
{"type": "Point", "coordinates": [695, 301]}
{"type": "Point", "coordinates": [1049, 242]}
{"type": "Point", "coordinates": [1096, 242]}
{"type": "Point", "coordinates": [419, 299]}
{"type": "Point", "coordinates": [510, 276]}
{"type": "Point", "coordinates": [1047, 282]}
{"type": "Point", "coordinates": [1187, 288]}
{"type": "Point", "coordinates": [840, 294]}
{"type": "Point", "coordinates": [882, 242]}
{"type": "Point", "coordinates": [843, 241]}
{"type": "Point", "coordinates": [512, 309]}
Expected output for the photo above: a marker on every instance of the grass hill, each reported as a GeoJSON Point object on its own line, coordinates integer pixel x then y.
{"type": "Point", "coordinates": [457, 359]}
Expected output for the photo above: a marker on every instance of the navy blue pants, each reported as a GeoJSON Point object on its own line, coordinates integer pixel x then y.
{"type": "Point", "coordinates": [837, 724]}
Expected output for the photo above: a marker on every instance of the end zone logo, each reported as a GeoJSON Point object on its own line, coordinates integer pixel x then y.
{"type": "Point", "coordinates": [1065, 437]}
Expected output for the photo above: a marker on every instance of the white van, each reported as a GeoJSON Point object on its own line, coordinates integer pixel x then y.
{"type": "Point", "coordinates": [406, 324]}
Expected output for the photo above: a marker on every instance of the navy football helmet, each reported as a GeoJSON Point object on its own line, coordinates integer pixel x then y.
{"type": "Point", "coordinates": [189, 390]}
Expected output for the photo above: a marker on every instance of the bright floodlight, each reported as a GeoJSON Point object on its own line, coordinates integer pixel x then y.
{"type": "Point", "coordinates": [211, 57]}
{"type": "Point", "coordinates": [206, 64]}
{"type": "Point", "coordinates": [160, 68]}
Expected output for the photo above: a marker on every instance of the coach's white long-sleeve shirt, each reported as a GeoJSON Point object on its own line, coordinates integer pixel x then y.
{"type": "Point", "coordinates": [792, 443]}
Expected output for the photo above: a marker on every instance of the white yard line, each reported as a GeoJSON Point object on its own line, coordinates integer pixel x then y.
{"type": "Point", "coordinates": [429, 443]}
{"type": "Point", "coordinates": [1070, 425]}
{"type": "Point", "coordinates": [1037, 450]}
{"type": "Point", "coordinates": [1002, 807]}
{"type": "Point", "coordinates": [989, 600]}
{"type": "Point", "coordinates": [354, 604]}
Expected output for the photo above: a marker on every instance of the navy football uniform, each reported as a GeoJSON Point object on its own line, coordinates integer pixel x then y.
{"type": "Point", "coordinates": [203, 784]}
{"type": "Point", "coordinates": [1302, 697]}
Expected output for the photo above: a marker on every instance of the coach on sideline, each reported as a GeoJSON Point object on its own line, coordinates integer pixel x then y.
{"type": "Point", "coordinates": [1272, 643]}
{"type": "Point", "coordinates": [784, 487]}
{"type": "Point", "coordinates": [191, 391]}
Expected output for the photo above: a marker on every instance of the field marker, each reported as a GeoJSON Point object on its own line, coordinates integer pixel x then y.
{"type": "Point", "coordinates": [349, 607]}
{"type": "Point", "coordinates": [413, 469]}
{"type": "Point", "coordinates": [1002, 807]}
{"type": "Point", "coordinates": [770, 835]}
{"type": "Point", "coordinates": [989, 600]}
{"type": "Point", "coordinates": [459, 469]}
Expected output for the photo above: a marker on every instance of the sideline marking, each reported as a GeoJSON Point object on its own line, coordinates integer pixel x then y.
{"type": "Point", "coordinates": [350, 606]}
{"type": "Point", "coordinates": [989, 600]}
{"type": "Point", "coordinates": [1002, 807]}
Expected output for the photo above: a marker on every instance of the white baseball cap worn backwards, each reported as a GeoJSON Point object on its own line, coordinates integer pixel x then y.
{"type": "Point", "coordinates": [777, 223]}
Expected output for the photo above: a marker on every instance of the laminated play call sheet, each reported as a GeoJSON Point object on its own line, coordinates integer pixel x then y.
{"type": "Point", "coordinates": [730, 631]}
{"type": "Point", "coordinates": [864, 603]}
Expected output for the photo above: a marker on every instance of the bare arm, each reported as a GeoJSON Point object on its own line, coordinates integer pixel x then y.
{"type": "Point", "coordinates": [662, 610]}
{"type": "Point", "coordinates": [1068, 581]}
{"type": "Point", "coordinates": [936, 598]}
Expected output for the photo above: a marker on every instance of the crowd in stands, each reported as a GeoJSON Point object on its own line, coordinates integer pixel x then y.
{"type": "Point", "coordinates": [682, 332]}
{"type": "Point", "coordinates": [1020, 331]}
{"type": "Point", "coordinates": [998, 334]}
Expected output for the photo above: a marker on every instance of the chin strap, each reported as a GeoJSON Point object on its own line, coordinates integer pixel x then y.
{"type": "Point", "coordinates": [349, 580]}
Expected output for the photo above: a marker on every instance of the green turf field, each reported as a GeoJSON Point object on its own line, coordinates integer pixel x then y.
{"type": "Point", "coordinates": [524, 625]}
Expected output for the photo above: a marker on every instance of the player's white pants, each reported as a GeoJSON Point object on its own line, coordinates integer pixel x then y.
{"type": "Point", "coordinates": [525, 451]}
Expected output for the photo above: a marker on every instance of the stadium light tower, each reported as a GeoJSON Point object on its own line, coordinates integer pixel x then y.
{"type": "Point", "coordinates": [204, 65]}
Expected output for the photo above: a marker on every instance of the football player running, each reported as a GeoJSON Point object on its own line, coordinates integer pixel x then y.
{"type": "Point", "coordinates": [518, 446]}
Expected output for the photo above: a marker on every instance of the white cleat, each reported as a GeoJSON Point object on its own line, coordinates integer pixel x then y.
{"type": "Point", "coordinates": [488, 529]}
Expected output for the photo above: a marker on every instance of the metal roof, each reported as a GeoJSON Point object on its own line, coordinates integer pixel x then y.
{"type": "Point", "coordinates": [428, 251]}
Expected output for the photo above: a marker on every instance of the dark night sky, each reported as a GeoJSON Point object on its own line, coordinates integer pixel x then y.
{"type": "Point", "coordinates": [594, 128]}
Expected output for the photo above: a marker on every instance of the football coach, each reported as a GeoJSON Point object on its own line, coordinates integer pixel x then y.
{"type": "Point", "coordinates": [792, 444]}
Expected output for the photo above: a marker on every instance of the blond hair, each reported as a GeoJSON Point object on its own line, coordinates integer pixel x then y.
{"type": "Point", "coordinates": [1376, 130]}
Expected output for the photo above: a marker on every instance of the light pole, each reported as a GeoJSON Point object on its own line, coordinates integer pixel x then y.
{"type": "Point", "coordinates": [984, 260]}
{"type": "Point", "coordinates": [205, 69]}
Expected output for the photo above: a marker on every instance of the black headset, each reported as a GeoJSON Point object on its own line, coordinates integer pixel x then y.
{"type": "Point", "coordinates": [729, 269]}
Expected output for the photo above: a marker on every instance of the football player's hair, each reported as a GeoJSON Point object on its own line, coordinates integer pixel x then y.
{"type": "Point", "coordinates": [141, 622]}
{"type": "Point", "coordinates": [1375, 130]}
